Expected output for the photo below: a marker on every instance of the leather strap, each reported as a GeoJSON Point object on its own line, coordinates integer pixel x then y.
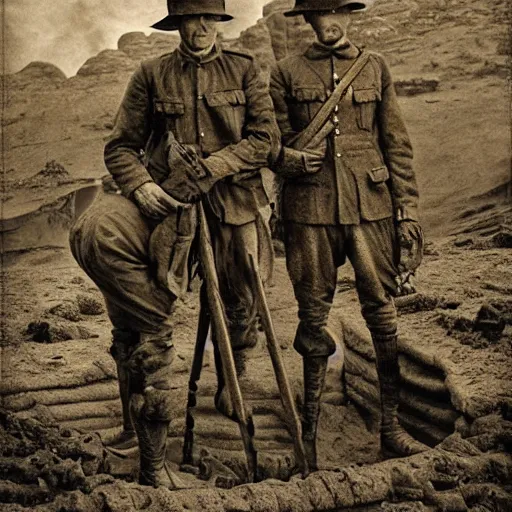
{"type": "Point", "coordinates": [302, 139]}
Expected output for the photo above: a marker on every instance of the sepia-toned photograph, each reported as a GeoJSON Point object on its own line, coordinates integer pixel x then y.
{"type": "Point", "coordinates": [256, 256]}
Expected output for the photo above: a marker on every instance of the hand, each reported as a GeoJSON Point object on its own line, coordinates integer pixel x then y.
{"type": "Point", "coordinates": [154, 202]}
{"type": "Point", "coordinates": [410, 240]}
{"type": "Point", "coordinates": [189, 177]}
{"type": "Point", "coordinates": [315, 156]}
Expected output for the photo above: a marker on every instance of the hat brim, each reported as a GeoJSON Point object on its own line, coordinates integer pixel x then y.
{"type": "Point", "coordinates": [355, 6]}
{"type": "Point", "coordinates": [172, 22]}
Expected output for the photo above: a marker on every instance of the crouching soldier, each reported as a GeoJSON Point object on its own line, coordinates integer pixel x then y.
{"type": "Point", "coordinates": [350, 194]}
{"type": "Point", "coordinates": [194, 124]}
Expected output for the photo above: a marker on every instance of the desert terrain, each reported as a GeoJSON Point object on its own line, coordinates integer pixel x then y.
{"type": "Point", "coordinates": [59, 400]}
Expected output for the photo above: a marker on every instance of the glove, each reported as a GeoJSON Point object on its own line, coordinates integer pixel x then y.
{"type": "Point", "coordinates": [410, 241]}
{"type": "Point", "coordinates": [188, 178]}
{"type": "Point", "coordinates": [294, 163]}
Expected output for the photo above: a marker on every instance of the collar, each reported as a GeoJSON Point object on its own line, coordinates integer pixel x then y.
{"type": "Point", "coordinates": [319, 51]}
{"type": "Point", "coordinates": [198, 58]}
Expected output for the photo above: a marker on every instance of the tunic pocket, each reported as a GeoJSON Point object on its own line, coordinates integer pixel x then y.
{"type": "Point", "coordinates": [169, 107]}
{"type": "Point", "coordinates": [168, 112]}
{"type": "Point", "coordinates": [303, 104]}
{"type": "Point", "coordinates": [228, 107]}
{"type": "Point", "coordinates": [372, 181]}
{"type": "Point", "coordinates": [366, 101]}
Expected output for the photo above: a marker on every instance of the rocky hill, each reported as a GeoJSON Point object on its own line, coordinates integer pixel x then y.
{"type": "Point", "coordinates": [453, 52]}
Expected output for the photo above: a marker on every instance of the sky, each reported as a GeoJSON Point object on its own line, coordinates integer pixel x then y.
{"type": "Point", "coordinates": [68, 32]}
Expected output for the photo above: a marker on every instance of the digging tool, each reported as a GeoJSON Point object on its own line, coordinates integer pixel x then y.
{"type": "Point", "coordinates": [203, 326]}
{"type": "Point", "coordinates": [292, 416]}
{"type": "Point", "coordinates": [215, 310]}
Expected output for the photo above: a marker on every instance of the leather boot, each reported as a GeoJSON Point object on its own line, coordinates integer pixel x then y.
{"type": "Point", "coordinates": [152, 436]}
{"type": "Point", "coordinates": [395, 441]}
{"type": "Point", "coordinates": [314, 376]}
{"type": "Point", "coordinates": [121, 343]}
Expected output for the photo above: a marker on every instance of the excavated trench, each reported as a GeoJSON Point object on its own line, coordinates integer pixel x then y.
{"type": "Point", "coordinates": [54, 421]}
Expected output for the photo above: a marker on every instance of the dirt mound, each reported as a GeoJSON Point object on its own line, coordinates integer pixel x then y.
{"type": "Point", "coordinates": [107, 61]}
{"type": "Point", "coordinates": [51, 175]}
{"type": "Point", "coordinates": [34, 75]}
{"type": "Point", "coordinates": [41, 70]}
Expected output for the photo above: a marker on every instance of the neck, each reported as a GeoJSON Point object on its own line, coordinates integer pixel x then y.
{"type": "Point", "coordinates": [197, 54]}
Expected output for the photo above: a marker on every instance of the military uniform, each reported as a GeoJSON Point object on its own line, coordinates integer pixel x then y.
{"type": "Point", "coordinates": [218, 104]}
{"type": "Point", "coordinates": [347, 207]}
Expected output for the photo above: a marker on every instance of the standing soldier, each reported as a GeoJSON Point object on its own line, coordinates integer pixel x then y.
{"type": "Point", "coordinates": [350, 194]}
{"type": "Point", "coordinates": [195, 123]}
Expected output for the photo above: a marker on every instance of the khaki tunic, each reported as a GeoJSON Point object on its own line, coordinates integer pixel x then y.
{"type": "Point", "coordinates": [368, 173]}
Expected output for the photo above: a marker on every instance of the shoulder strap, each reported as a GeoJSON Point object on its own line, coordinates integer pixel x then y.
{"type": "Point", "coordinates": [302, 139]}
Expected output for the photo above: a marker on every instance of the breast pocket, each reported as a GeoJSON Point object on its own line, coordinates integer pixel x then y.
{"type": "Point", "coordinates": [365, 101]}
{"type": "Point", "coordinates": [303, 105]}
{"type": "Point", "coordinates": [228, 109]}
{"type": "Point", "coordinates": [169, 111]}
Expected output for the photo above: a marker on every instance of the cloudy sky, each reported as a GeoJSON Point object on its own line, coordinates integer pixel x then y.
{"type": "Point", "coordinates": [68, 32]}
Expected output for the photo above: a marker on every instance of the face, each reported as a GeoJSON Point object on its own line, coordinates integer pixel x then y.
{"type": "Point", "coordinates": [199, 32]}
{"type": "Point", "coordinates": [330, 27]}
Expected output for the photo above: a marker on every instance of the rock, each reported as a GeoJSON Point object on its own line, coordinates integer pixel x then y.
{"type": "Point", "coordinates": [490, 322]}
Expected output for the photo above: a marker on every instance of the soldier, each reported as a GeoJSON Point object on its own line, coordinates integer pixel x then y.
{"type": "Point", "coordinates": [195, 123]}
{"type": "Point", "coordinates": [351, 194]}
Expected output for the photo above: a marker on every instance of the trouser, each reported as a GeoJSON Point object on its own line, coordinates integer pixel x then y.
{"type": "Point", "coordinates": [110, 242]}
{"type": "Point", "coordinates": [233, 245]}
{"type": "Point", "coordinates": [313, 255]}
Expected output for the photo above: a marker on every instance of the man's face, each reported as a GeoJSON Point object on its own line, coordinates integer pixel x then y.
{"type": "Point", "coordinates": [199, 32]}
{"type": "Point", "coordinates": [330, 27]}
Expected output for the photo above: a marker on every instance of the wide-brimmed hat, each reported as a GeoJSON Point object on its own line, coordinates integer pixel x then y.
{"type": "Point", "coordinates": [305, 6]}
{"type": "Point", "coordinates": [179, 8]}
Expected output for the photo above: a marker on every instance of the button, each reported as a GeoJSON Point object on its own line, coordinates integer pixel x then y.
{"type": "Point", "coordinates": [338, 155]}
{"type": "Point", "coordinates": [202, 134]}
{"type": "Point", "coordinates": [337, 132]}
{"type": "Point", "coordinates": [336, 119]}
{"type": "Point", "coordinates": [336, 108]}
{"type": "Point", "coordinates": [200, 97]}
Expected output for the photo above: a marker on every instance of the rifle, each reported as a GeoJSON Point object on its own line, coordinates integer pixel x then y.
{"type": "Point", "coordinates": [215, 310]}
